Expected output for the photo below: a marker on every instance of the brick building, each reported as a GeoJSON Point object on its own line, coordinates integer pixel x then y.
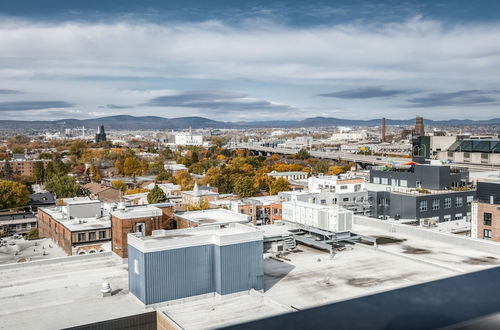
{"type": "Point", "coordinates": [21, 167]}
{"type": "Point", "coordinates": [139, 219]}
{"type": "Point", "coordinates": [486, 212]}
{"type": "Point", "coordinates": [78, 227]}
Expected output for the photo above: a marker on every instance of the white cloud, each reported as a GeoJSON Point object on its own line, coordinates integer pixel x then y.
{"type": "Point", "coordinates": [414, 54]}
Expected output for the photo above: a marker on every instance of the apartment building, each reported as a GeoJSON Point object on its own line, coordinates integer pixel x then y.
{"type": "Point", "coordinates": [21, 167]}
{"type": "Point", "coordinates": [486, 212]}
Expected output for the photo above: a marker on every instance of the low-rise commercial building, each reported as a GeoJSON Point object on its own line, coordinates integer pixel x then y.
{"type": "Point", "coordinates": [296, 175]}
{"type": "Point", "coordinates": [473, 151]}
{"type": "Point", "coordinates": [176, 264]}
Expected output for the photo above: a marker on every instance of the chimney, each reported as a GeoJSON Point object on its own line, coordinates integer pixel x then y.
{"type": "Point", "coordinates": [383, 132]}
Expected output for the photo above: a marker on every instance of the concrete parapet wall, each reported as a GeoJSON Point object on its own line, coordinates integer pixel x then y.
{"type": "Point", "coordinates": [428, 234]}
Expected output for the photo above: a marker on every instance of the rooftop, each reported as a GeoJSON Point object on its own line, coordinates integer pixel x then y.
{"type": "Point", "coordinates": [215, 312]}
{"type": "Point", "coordinates": [64, 292]}
{"type": "Point", "coordinates": [275, 173]}
{"type": "Point", "coordinates": [212, 217]}
{"type": "Point", "coordinates": [59, 213]}
{"type": "Point", "coordinates": [172, 239]}
{"type": "Point", "coordinates": [144, 211]}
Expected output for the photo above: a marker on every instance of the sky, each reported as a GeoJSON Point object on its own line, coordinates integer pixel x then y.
{"type": "Point", "coordinates": [249, 60]}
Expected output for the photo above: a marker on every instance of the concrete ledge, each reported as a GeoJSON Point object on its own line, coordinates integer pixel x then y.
{"type": "Point", "coordinates": [55, 260]}
{"type": "Point", "coordinates": [481, 245]}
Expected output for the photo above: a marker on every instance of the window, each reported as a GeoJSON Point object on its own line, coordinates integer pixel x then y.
{"type": "Point", "coordinates": [459, 201]}
{"type": "Point", "coordinates": [418, 184]}
{"type": "Point", "coordinates": [323, 201]}
{"type": "Point", "coordinates": [447, 217]}
{"type": "Point", "coordinates": [487, 219]}
{"type": "Point", "coordinates": [447, 203]}
{"type": "Point", "coordinates": [357, 187]}
{"type": "Point", "coordinates": [403, 183]}
{"type": "Point", "coordinates": [376, 179]}
{"type": "Point", "coordinates": [469, 200]}
{"type": "Point", "coordinates": [81, 237]}
{"type": "Point", "coordinates": [28, 226]}
{"type": "Point", "coordinates": [346, 199]}
{"type": "Point", "coordinates": [423, 206]}
{"type": "Point", "coordinates": [102, 234]}
{"type": "Point", "coordinates": [385, 181]}
{"type": "Point", "coordinates": [394, 182]}
{"type": "Point", "coordinates": [136, 266]}
{"type": "Point", "coordinates": [487, 234]}
{"type": "Point", "coordinates": [435, 204]}
{"type": "Point", "coordinates": [344, 187]}
{"type": "Point", "coordinates": [92, 236]}
{"type": "Point", "coordinates": [459, 216]}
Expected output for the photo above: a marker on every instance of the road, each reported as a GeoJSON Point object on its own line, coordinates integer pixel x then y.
{"type": "Point", "coordinates": [347, 156]}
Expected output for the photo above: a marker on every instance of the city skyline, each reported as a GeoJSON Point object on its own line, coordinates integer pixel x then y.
{"type": "Point", "coordinates": [237, 62]}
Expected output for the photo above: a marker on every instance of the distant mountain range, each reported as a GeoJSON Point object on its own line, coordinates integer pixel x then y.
{"type": "Point", "coordinates": [125, 122]}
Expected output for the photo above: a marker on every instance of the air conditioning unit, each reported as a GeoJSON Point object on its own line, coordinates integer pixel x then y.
{"type": "Point", "coordinates": [277, 247]}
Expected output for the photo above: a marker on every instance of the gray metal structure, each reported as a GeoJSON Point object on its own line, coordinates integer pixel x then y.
{"type": "Point", "coordinates": [170, 274]}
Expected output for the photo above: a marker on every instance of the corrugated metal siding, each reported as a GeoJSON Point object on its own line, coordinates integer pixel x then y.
{"type": "Point", "coordinates": [136, 282]}
{"type": "Point", "coordinates": [179, 273]}
{"type": "Point", "coordinates": [241, 267]}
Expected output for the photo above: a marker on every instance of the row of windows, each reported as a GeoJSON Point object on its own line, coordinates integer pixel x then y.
{"type": "Point", "coordinates": [394, 182]}
{"type": "Point", "coordinates": [92, 236]}
{"type": "Point", "coordinates": [459, 202]}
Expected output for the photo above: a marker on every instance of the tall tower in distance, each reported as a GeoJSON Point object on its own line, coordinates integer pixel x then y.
{"type": "Point", "coordinates": [419, 126]}
{"type": "Point", "coordinates": [383, 132]}
{"type": "Point", "coordinates": [101, 135]}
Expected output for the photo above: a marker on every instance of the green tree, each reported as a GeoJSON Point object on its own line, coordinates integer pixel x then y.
{"type": "Point", "coordinates": [38, 171]}
{"type": "Point", "coordinates": [280, 185]}
{"type": "Point", "coordinates": [77, 148]}
{"type": "Point", "coordinates": [164, 176]}
{"type": "Point", "coordinates": [244, 186]}
{"type": "Point", "coordinates": [119, 184]}
{"type": "Point", "coordinates": [63, 186]}
{"type": "Point", "coordinates": [302, 154]}
{"type": "Point", "coordinates": [13, 194]}
{"type": "Point", "coordinates": [321, 167]}
{"type": "Point", "coordinates": [156, 195]}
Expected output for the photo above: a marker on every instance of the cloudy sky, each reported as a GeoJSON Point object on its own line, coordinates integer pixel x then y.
{"type": "Point", "coordinates": [249, 60]}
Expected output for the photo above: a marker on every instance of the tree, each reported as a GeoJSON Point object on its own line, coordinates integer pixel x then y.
{"type": "Point", "coordinates": [164, 176]}
{"type": "Point", "coordinates": [77, 148]}
{"type": "Point", "coordinates": [119, 166]}
{"type": "Point", "coordinates": [119, 184]}
{"type": "Point", "coordinates": [7, 170]}
{"type": "Point", "coordinates": [38, 171]}
{"type": "Point", "coordinates": [13, 194]}
{"type": "Point", "coordinates": [132, 167]}
{"type": "Point", "coordinates": [94, 173]}
{"type": "Point", "coordinates": [184, 179]}
{"type": "Point", "coordinates": [244, 186]}
{"type": "Point", "coordinates": [156, 195]}
{"type": "Point", "coordinates": [135, 191]}
{"type": "Point", "coordinates": [63, 186]}
{"type": "Point", "coordinates": [302, 154]}
{"type": "Point", "coordinates": [336, 170]}
{"type": "Point", "coordinates": [280, 185]}
{"type": "Point", "coordinates": [321, 167]}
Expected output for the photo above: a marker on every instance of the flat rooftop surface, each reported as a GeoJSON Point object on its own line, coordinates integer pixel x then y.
{"type": "Point", "coordinates": [213, 216]}
{"type": "Point", "coordinates": [142, 211]}
{"type": "Point", "coordinates": [312, 277]}
{"type": "Point", "coordinates": [20, 250]}
{"type": "Point", "coordinates": [215, 312]}
{"type": "Point", "coordinates": [64, 294]}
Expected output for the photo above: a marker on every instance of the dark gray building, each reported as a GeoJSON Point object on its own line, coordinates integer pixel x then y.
{"type": "Point", "coordinates": [442, 206]}
{"type": "Point", "coordinates": [422, 176]}
{"type": "Point", "coordinates": [486, 191]}
{"type": "Point", "coordinates": [101, 134]}
{"type": "Point", "coordinates": [175, 264]}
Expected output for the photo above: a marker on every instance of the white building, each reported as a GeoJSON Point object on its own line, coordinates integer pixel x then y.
{"type": "Point", "coordinates": [349, 136]}
{"type": "Point", "coordinates": [188, 139]}
{"type": "Point", "coordinates": [296, 175]}
{"type": "Point", "coordinates": [335, 184]}
{"type": "Point", "coordinates": [326, 217]}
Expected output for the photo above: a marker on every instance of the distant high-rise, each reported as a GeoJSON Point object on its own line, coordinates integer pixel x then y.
{"type": "Point", "coordinates": [383, 132]}
{"type": "Point", "coordinates": [101, 135]}
{"type": "Point", "coordinates": [419, 126]}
